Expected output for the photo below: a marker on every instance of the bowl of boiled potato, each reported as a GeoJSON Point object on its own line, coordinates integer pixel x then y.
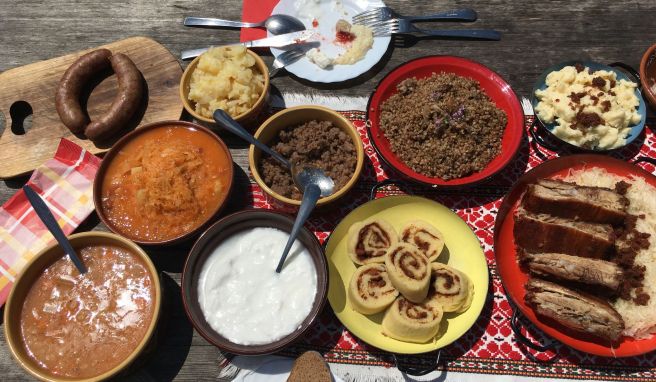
{"type": "Point", "coordinates": [231, 78]}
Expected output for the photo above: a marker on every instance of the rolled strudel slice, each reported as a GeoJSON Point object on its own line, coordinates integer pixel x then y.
{"type": "Point", "coordinates": [369, 240]}
{"type": "Point", "coordinates": [409, 271]}
{"type": "Point", "coordinates": [410, 322]}
{"type": "Point", "coordinates": [371, 290]}
{"type": "Point", "coordinates": [450, 288]}
{"type": "Point", "coordinates": [427, 238]}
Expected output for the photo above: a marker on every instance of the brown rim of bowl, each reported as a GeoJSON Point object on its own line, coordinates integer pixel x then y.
{"type": "Point", "coordinates": [186, 78]}
{"type": "Point", "coordinates": [97, 182]}
{"type": "Point", "coordinates": [350, 130]}
{"type": "Point", "coordinates": [93, 237]}
{"type": "Point", "coordinates": [650, 53]}
{"type": "Point", "coordinates": [203, 248]}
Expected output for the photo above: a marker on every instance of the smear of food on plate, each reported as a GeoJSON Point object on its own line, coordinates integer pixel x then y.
{"type": "Point", "coordinates": [165, 182]}
{"type": "Point", "coordinates": [311, 9]}
{"type": "Point", "coordinates": [591, 109]}
{"type": "Point", "coordinates": [316, 143]}
{"type": "Point", "coordinates": [585, 240]}
{"type": "Point", "coordinates": [226, 78]}
{"type": "Point", "coordinates": [412, 289]}
{"type": "Point", "coordinates": [358, 40]}
{"type": "Point", "coordinates": [443, 126]}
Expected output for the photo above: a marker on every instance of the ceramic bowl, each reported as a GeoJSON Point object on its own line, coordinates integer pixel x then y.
{"type": "Point", "coordinates": [204, 247]}
{"type": "Point", "coordinates": [648, 75]}
{"type": "Point", "coordinates": [30, 273]}
{"type": "Point", "coordinates": [492, 84]}
{"type": "Point", "coordinates": [112, 154]}
{"type": "Point", "coordinates": [249, 117]}
{"type": "Point", "coordinates": [294, 116]}
{"type": "Point", "coordinates": [540, 84]}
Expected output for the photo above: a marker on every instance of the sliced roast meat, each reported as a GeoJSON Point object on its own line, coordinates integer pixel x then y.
{"type": "Point", "coordinates": [577, 269]}
{"type": "Point", "coordinates": [577, 311]}
{"type": "Point", "coordinates": [547, 233]}
{"type": "Point", "coordinates": [568, 200]}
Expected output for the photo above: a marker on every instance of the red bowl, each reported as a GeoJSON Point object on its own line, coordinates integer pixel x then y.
{"type": "Point", "coordinates": [494, 86]}
{"type": "Point", "coordinates": [513, 276]}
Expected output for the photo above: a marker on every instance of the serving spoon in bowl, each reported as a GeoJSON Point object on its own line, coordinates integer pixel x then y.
{"type": "Point", "coordinates": [276, 24]}
{"type": "Point", "coordinates": [44, 213]}
{"type": "Point", "coordinates": [312, 181]}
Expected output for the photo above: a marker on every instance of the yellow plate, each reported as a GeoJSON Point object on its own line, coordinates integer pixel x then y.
{"type": "Point", "coordinates": [464, 254]}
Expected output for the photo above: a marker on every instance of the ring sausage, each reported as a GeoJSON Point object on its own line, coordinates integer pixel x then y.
{"type": "Point", "coordinates": [126, 103]}
{"type": "Point", "coordinates": [79, 74]}
{"type": "Point", "coordinates": [67, 98]}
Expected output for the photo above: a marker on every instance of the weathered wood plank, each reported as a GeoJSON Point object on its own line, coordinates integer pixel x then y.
{"type": "Point", "coordinates": [536, 34]}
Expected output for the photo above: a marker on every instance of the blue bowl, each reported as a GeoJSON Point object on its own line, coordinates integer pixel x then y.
{"type": "Point", "coordinates": [635, 129]}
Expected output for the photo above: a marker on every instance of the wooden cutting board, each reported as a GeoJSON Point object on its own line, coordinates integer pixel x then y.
{"type": "Point", "coordinates": [35, 84]}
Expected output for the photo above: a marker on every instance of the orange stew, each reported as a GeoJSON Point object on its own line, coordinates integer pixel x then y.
{"type": "Point", "coordinates": [165, 183]}
{"type": "Point", "coordinates": [81, 326]}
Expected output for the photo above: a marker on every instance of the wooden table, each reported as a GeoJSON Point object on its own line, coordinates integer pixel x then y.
{"type": "Point", "coordinates": [535, 35]}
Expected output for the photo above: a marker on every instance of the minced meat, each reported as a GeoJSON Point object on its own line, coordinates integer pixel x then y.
{"type": "Point", "coordinates": [316, 143]}
{"type": "Point", "coordinates": [443, 126]}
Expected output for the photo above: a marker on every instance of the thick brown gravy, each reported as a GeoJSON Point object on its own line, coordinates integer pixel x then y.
{"type": "Point", "coordinates": [81, 326]}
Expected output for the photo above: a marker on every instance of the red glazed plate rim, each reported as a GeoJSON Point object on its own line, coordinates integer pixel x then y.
{"type": "Point", "coordinates": [493, 85]}
{"type": "Point", "coordinates": [514, 278]}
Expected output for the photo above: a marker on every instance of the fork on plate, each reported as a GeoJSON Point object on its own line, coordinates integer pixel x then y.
{"type": "Point", "coordinates": [377, 15]}
{"type": "Point", "coordinates": [401, 26]}
{"type": "Point", "coordinates": [286, 58]}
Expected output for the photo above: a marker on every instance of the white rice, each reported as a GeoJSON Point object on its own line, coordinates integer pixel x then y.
{"type": "Point", "coordinates": [639, 320]}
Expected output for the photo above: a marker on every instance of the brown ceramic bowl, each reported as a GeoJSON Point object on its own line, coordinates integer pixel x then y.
{"type": "Point", "coordinates": [34, 268]}
{"type": "Point", "coordinates": [111, 155]}
{"type": "Point", "coordinates": [296, 116]}
{"type": "Point", "coordinates": [203, 248]}
{"type": "Point", "coordinates": [247, 118]}
{"type": "Point", "coordinates": [648, 75]}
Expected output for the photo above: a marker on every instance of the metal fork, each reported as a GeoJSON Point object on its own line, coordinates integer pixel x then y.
{"type": "Point", "coordinates": [376, 15]}
{"type": "Point", "coordinates": [286, 58]}
{"type": "Point", "coordinates": [527, 107]}
{"type": "Point", "coordinates": [400, 26]}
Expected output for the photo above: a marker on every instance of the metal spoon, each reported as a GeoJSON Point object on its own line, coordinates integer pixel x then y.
{"type": "Point", "coordinates": [311, 180]}
{"type": "Point", "coordinates": [276, 24]}
{"type": "Point", "coordinates": [43, 212]}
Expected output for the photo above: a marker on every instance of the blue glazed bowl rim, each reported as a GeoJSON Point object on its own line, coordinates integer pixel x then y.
{"type": "Point", "coordinates": [636, 129]}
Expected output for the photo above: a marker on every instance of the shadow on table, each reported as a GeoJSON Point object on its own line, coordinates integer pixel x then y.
{"type": "Point", "coordinates": [172, 340]}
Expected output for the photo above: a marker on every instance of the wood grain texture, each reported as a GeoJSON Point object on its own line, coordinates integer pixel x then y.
{"type": "Point", "coordinates": [536, 34]}
{"type": "Point", "coordinates": [37, 83]}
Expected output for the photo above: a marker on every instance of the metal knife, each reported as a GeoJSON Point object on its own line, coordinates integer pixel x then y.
{"type": "Point", "coordinates": [270, 42]}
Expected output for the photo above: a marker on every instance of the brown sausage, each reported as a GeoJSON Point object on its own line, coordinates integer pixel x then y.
{"type": "Point", "coordinates": [126, 103]}
{"type": "Point", "coordinates": [80, 73]}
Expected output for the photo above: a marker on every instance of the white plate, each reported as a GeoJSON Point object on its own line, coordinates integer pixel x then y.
{"type": "Point", "coordinates": [328, 14]}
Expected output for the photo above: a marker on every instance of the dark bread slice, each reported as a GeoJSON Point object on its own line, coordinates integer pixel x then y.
{"type": "Point", "coordinates": [310, 367]}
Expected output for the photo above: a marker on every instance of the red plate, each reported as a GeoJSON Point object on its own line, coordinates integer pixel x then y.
{"type": "Point", "coordinates": [514, 278]}
{"type": "Point", "coordinates": [493, 85]}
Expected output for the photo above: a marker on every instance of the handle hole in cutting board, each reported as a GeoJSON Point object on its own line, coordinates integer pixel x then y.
{"type": "Point", "coordinates": [21, 117]}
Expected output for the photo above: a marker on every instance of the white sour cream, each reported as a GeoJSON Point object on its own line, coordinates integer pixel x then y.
{"type": "Point", "coordinates": [244, 299]}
